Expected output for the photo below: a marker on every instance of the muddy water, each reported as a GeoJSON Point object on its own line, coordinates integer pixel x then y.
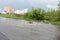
{"type": "Point", "coordinates": [22, 30]}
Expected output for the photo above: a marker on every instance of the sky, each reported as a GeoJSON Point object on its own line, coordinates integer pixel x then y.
{"type": "Point", "coordinates": [22, 4]}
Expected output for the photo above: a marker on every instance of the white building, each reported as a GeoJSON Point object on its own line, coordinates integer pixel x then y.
{"type": "Point", "coordinates": [3, 12]}
{"type": "Point", "coordinates": [0, 10]}
{"type": "Point", "coordinates": [21, 11]}
{"type": "Point", "coordinates": [25, 10]}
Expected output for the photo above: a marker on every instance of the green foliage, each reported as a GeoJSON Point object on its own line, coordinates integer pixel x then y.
{"type": "Point", "coordinates": [58, 12]}
{"type": "Point", "coordinates": [36, 14]}
{"type": "Point", "coordinates": [39, 14]}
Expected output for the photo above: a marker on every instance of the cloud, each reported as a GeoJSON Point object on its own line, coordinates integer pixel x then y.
{"type": "Point", "coordinates": [38, 3]}
{"type": "Point", "coordinates": [28, 3]}
{"type": "Point", "coordinates": [51, 6]}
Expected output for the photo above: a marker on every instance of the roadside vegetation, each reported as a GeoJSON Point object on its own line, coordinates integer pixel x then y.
{"type": "Point", "coordinates": [52, 16]}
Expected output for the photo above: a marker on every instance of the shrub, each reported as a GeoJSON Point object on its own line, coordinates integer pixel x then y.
{"type": "Point", "coordinates": [37, 14]}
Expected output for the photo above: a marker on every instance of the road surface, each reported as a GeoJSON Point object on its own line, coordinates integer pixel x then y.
{"type": "Point", "coordinates": [11, 29]}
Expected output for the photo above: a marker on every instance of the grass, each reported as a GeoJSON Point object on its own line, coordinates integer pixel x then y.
{"type": "Point", "coordinates": [56, 23]}
{"type": "Point", "coordinates": [13, 16]}
{"type": "Point", "coordinates": [20, 17]}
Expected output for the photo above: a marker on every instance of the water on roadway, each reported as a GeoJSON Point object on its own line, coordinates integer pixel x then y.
{"type": "Point", "coordinates": [22, 30]}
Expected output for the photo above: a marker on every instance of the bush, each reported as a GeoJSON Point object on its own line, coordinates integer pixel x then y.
{"type": "Point", "coordinates": [36, 14]}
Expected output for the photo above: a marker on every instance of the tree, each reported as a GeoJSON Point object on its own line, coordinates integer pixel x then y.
{"type": "Point", "coordinates": [58, 12]}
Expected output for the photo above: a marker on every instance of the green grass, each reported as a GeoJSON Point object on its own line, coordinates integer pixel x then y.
{"type": "Point", "coordinates": [13, 16]}
{"type": "Point", "coordinates": [22, 17]}
{"type": "Point", "coordinates": [56, 23]}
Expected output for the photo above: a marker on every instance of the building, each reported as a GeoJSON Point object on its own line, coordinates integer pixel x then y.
{"type": "Point", "coordinates": [21, 11]}
{"type": "Point", "coordinates": [25, 10]}
{"type": "Point", "coordinates": [9, 10]}
{"type": "Point", "coordinates": [0, 10]}
{"type": "Point", "coordinates": [3, 13]}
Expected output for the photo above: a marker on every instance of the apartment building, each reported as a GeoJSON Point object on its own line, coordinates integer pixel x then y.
{"type": "Point", "coordinates": [9, 10]}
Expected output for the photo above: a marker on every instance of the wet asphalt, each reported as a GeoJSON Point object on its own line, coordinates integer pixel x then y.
{"type": "Point", "coordinates": [11, 29]}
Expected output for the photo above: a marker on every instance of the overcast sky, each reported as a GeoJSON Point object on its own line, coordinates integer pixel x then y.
{"type": "Point", "coordinates": [21, 4]}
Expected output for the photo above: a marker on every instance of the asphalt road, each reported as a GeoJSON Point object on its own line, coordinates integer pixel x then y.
{"type": "Point", "coordinates": [11, 29]}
